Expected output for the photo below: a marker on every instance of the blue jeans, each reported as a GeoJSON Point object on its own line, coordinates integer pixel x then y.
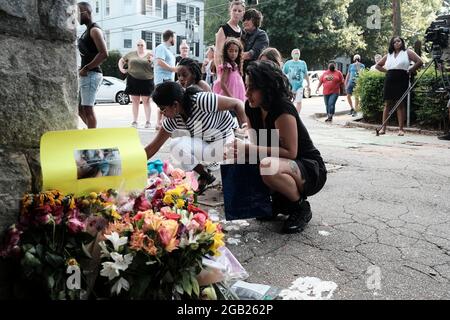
{"type": "Point", "coordinates": [330, 102]}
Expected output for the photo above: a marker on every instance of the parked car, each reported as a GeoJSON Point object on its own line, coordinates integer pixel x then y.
{"type": "Point", "coordinates": [314, 77]}
{"type": "Point", "coordinates": [112, 90]}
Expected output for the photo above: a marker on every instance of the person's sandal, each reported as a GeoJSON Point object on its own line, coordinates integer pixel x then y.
{"type": "Point", "coordinates": [204, 180]}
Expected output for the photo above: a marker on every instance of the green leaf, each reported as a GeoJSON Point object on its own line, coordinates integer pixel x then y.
{"type": "Point", "coordinates": [186, 282]}
{"type": "Point", "coordinates": [195, 286]}
{"type": "Point", "coordinates": [30, 260]}
{"type": "Point", "coordinates": [54, 260]}
{"type": "Point", "coordinates": [51, 281]}
{"type": "Point", "coordinates": [179, 288]}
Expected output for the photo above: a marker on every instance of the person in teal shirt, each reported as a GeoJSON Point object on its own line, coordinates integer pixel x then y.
{"type": "Point", "coordinates": [350, 82]}
{"type": "Point", "coordinates": [296, 70]}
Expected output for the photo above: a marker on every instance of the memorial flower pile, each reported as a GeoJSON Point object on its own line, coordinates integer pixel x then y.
{"type": "Point", "coordinates": [146, 245]}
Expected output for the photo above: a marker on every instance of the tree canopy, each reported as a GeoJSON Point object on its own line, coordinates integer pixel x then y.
{"type": "Point", "coordinates": [325, 29]}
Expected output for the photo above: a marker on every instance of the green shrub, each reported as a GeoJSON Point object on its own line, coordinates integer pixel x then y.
{"type": "Point", "coordinates": [428, 107]}
{"type": "Point", "coordinates": [369, 89]}
{"type": "Point", "coordinates": [109, 66]}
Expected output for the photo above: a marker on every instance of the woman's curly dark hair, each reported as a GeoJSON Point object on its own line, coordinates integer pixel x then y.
{"type": "Point", "coordinates": [267, 77]}
{"type": "Point", "coordinates": [193, 67]}
{"type": "Point", "coordinates": [239, 60]}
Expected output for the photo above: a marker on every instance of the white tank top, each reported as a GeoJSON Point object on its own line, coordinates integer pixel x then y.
{"type": "Point", "coordinates": [401, 62]}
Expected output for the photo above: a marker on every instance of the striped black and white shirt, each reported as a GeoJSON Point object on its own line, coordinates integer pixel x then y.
{"type": "Point", "coordinates": [206, 121]}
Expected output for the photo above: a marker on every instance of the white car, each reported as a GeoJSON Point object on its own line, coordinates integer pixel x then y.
{"type": "Point", "coordinates": [314, 78]}
{"type": "Point", "coordinates": [112, 90]}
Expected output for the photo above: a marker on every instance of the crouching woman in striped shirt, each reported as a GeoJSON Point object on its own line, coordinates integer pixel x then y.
{"type": "Point", "coordinates": [206, 124]}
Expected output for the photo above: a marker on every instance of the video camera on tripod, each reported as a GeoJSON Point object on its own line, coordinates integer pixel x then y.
{"type": "Point", "coordinates": [437, 38]}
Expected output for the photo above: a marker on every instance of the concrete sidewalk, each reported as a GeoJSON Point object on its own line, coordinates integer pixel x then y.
{"type": "Point", "coordinates": [381, 224]}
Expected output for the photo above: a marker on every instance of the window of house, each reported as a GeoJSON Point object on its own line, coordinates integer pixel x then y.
{"type": "Point", "coordinates": [165, 9]}
{"type": "Point", "coordinates": [181, 12]}
{"type": "Point", "coordinates": [158, 40]}
{"type": "Point", "coordinates": [147, 7]}
{"type": "Point", "coordinates": [107, 8]}
{"type": "Point", "coordinates": [147, 36]}
{"type": "Point", "coordinates": [97, 7]}
{"type": "Point", "coordinates": [108, 39]}
{"type": "Point", "coordinates": [127, 36]}
{"type": "Point", "coordinates": [158, 8]}
{"type": "Point", "coordinates": [197, 16]}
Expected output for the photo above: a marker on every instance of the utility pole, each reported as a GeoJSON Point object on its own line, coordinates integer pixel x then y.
{"type": "Point", "coordinates": [397, 17]}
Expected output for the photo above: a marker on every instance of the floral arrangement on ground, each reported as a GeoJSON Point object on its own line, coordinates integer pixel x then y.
{"type": "Point", "coordinates": [146, 245]}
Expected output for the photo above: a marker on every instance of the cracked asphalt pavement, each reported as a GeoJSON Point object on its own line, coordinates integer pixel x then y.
{"type": "Point", "coordinates": [380, 226]}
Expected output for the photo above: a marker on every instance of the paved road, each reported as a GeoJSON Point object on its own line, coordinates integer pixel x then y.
{"type": "Point", "coordinates": [380, 227]}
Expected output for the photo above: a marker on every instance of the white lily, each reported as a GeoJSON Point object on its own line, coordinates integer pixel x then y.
{"type": "Point", "coordinates": [112, 269]}
{"type": "Point", "coordinates": [119, 285]}
{"type": "Point", "coordinates": [121, 262]}
{"type": "Point", "coordinates": [116, 240]}
{"type": "Point", "coordinates": [104, 252]}
{"type": "Point", "coordinates": [109, 270]}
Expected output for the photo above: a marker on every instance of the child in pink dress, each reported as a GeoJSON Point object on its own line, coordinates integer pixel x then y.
{"type": "Point", "coordinates": [229, 82]}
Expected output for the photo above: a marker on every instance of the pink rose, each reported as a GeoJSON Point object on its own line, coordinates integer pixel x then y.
{"type": "Point", "coordinates": [200, 218]}
{"type": "Point", "coordinates": [178, 174]}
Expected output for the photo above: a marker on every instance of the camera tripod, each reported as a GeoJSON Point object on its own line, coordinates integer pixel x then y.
{"type": "Point", "coordinates": [436, 62]}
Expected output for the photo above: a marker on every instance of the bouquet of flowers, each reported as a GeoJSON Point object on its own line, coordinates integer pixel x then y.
{"type": "Point", "coordinates": [148, 245]}
{"type": "Point", "coordinates": [52, 235]}
{"type": "Point", "coordinates": [157, 251]}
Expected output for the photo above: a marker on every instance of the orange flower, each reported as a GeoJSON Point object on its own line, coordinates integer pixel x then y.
{"type": "Point", "coordinates": [119, 227]}
{"type": "Point", "coordinates": [152, 222]}
{"type": "Point", "coordinates": [167, 234]}
{"type": "Point", "coordinates": [137, 240]}
{"type": "Point", "coordinates": [149, 246]}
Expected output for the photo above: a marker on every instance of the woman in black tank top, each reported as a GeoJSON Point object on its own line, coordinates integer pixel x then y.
{"type": "Point", "coordinates": [229, 30]}
{"type": "Point", "coordinates": [294, 168]}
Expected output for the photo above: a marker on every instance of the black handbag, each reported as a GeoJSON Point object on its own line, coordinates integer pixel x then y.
{"type": "Point", "coordinates": [245, 194]}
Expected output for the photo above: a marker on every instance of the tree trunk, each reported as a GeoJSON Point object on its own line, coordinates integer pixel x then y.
{"type": "Point", "coordinates": [397, 17]}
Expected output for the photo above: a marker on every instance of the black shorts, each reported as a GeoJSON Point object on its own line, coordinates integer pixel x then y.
{"type": "Point", "coordinates": [137, 87]}
{"type": "Point", "coordinates": [314, 173]}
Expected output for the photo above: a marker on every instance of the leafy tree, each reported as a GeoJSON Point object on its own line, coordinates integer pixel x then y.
{"type": "Point", "coordinates": [324, 29]}
{"type": "Point", "coordinates": [319, 28]}
{"type": "Point", "coordinates": [416, 17]}
{"type": "Point", "coordinates": [216, 14]}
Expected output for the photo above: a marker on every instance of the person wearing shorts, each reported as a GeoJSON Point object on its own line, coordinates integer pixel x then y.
{"type": "Point", "coordinates": [294, 169]}
{"type": "Point", "coordinates": [139, 79]}
{"type": "Point", "coordinates": [350, 82]}
{"type": "Point", "coordinates": [296, 71]}
{"type": "Point", "coordinates": [92, 48]}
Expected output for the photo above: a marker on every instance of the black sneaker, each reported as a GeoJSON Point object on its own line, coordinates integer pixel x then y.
{"type": "Point", "coordinates": [350, 113]}
{"type": "Point", "coordinates": [298, 219]}
{"type": "Point", "coordinates": [445, 137]}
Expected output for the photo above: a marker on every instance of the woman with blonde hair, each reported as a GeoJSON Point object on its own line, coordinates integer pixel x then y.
{"type": "Point", "coordinates": [231, 29]}
{"type": "Point", "coordinates": [139, 79]}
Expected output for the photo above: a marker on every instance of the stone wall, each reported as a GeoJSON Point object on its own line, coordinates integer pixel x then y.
{"type": "Point", "coordinates": [38, 90]}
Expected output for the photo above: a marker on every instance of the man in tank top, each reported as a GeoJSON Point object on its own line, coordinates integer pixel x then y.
{"type": "Point", "coordinates": [92, 48]}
